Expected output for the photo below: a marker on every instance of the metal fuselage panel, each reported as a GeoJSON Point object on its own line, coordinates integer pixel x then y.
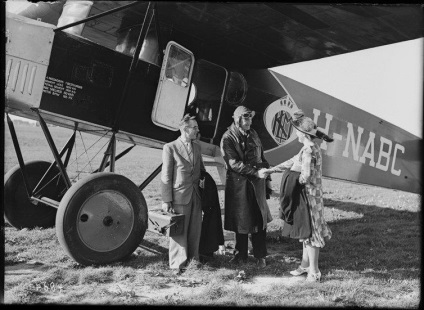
{"type": "Point", "coordinates": [85, 82]}
{"type": "Point", "coordinates": [76, 83]}
{"type": "Point", "coordinates": [28, 48]}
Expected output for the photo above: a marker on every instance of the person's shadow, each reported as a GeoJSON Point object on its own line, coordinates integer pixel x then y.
{"type": "Point", "coordinates": [380, 242]}
{"type": "Point", "coordinates": [377, 242]}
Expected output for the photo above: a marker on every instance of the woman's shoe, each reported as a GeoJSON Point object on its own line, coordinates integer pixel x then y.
{"type": "Point", "coordinates": [178, 271]}
{"type": "Point", "coordinates": [299, 271]}
{"type": "Point", "coordinates": [261, 263]}
{"type": "Point", "coordinates": [314, 277]}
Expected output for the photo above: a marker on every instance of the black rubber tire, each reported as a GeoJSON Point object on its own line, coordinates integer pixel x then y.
{"type": "Point", "coordinates": [19, 211]}
{"type": "Point", "coordinates": [101, 219]}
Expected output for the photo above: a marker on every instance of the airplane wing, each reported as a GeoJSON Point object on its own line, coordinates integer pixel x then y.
{"type": "Point", "coordinates": [261, 35]}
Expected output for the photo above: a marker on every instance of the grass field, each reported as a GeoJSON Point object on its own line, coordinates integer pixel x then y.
{"type": "Point", "coordinates": [372, 260]}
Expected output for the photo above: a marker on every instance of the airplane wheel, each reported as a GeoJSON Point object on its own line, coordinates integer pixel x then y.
{"type": "Point", "coordinates": [19, 211]}
{"type": "Point", "coordinates": [101, 219]}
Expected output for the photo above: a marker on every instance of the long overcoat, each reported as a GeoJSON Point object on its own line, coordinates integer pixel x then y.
{"type": "Point", "coordinates": [212, 235]}
{"type": "Point", "coordinates": [242, 159]}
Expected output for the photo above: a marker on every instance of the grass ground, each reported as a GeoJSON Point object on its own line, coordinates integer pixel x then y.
{"type": "Point", "coordinates": [372, 260]}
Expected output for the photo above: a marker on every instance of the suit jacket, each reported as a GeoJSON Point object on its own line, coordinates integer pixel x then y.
{"type": "Point", "coordinates": [179, 176]}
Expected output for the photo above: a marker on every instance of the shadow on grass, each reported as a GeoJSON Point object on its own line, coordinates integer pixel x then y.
{"type": "Point", "coordinates": [367, 240]}
{"type": "Point", "coordinates": [375, 241]}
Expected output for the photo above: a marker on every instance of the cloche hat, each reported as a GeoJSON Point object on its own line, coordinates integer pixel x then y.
{"type": "Point", "coordinates": [304, 124]}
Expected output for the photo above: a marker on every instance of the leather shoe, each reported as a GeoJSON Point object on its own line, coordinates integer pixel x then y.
{"type": "Point", "coordinates": [203, 259]}
{"type": "Point", "coordinates": [261, 263]}
{"type": "Point", "coordinates": [237, 260]}
{"type": "Point", "coordinates": [177, 272]}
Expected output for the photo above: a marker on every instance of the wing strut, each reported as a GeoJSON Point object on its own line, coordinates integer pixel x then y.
{"type": "Point", "coordinates": [53, 148]}
{"type": "Point", "coordinates": [36, 194]}
{"type": "Point", "coordinates": [110, 151]}
{"type": "Point", "coordinates": [158, 35]}
{"type": "Point", "coordinates": [150, 177]}
{"type": "Point", "coordinates": [116, 158]}
{"type": "Point", "coordinates": [19, 154]}
{"type": "Point", "coordinates": [97, 16]}
{"type": "Point", "coordinates": [142, 35]}
{"type": "Point", "coordinates": [68, 149]}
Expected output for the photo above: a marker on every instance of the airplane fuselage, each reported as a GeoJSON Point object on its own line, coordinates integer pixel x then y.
{"type": "Point", "coordinates": [84, 87]}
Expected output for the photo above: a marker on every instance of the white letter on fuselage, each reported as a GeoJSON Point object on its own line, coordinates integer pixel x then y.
{"type": "Point", "coordinates": [351, 137]}
{"type": "Point", "coordinates": [328, 118]}
{"type": "Point", "coordinates": [367, 154]}
{"type": "Point", "coordinates": [401, 148]}
{"type": "Point", "coordinates": [384, 154]}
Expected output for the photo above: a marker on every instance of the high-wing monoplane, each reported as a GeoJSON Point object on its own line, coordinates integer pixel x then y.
{"type": "Point", "coordinates": [130, 70]}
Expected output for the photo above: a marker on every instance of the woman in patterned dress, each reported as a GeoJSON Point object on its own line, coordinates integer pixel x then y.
{"type": "Point", "coordinates": [302, 190]}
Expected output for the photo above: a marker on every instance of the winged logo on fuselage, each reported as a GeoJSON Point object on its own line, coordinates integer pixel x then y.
{"type": "Point", "coordinates": [277, 117]}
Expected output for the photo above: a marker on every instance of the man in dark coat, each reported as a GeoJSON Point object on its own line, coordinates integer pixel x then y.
{"type": "Point", "coordinates": [246, 209]}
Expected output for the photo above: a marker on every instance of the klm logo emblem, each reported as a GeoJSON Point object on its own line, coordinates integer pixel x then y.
{"type": "Point", "coordinates": [281, 126]}
{"type": "Point", "coordinates": [277, 118]}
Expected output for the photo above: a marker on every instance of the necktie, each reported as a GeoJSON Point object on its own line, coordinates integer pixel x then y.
{"type": "Point", "coordinates": [189, 151]}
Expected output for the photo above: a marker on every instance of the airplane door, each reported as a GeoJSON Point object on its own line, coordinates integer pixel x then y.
{"type": "Point", "coordinates": [206, 96]}
{"type": "Point", "coordinates": [173, 88]}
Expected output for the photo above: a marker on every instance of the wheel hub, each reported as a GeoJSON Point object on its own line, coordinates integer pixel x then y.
{"type": "Point", "coordinates": [108, 221]}
{"type": "Point", "coordinates": [105, 220]}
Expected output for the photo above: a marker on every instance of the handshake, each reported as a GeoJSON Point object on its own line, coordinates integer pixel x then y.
{"type": "Point", "coordinates": [264, 172]}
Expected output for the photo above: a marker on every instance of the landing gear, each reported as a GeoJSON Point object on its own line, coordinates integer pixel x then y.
{"type": "Point", "coordinates": [101, 219]}
{"type": "Point", "coordinates": [19, 210]}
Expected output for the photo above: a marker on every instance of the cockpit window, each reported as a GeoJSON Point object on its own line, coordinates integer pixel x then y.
{"type": "Point", "coordinates": [178, 66]}
{"type": "Point", "coordinates": [206, 95]}
{"type": "Point", "coordinates": [237, 89]}
{"type": "Point", "coordinates": [173, 88]}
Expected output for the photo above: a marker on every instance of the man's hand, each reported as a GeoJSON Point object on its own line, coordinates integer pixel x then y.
{"type": "Point", "coordinates": [273, 170]}
{"type": "Point", "coordinates": [202, 183]}
{"type": "Point", "coordinates": [167, 207]}
{"type": "Point", "coordinates": [263, 173]}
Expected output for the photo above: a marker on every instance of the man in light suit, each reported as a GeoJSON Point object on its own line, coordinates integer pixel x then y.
{"type": "Point", "coordinates": [181, 166]}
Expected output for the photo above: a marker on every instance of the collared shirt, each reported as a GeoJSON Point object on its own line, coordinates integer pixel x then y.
{"type": "Point", "coordinates": [243, 132]}
{"type": "Point", "coordinates": [189, 149]}
{"type": "Point", "coordinates": [244, 135]}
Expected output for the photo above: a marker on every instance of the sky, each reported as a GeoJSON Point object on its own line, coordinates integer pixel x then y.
{"type": "Point", "coordinates": [386, 81]}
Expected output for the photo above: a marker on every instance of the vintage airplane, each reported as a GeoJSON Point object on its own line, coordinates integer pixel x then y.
{"type": "Point", "coordinates": [131, 70]}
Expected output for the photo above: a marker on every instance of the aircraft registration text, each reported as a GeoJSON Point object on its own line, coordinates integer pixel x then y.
{"type": "Point", "coordinates": [378, 157]}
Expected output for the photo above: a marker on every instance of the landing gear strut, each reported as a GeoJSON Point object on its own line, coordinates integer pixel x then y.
{"type": "Point", "coordinates": [19, 210]}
